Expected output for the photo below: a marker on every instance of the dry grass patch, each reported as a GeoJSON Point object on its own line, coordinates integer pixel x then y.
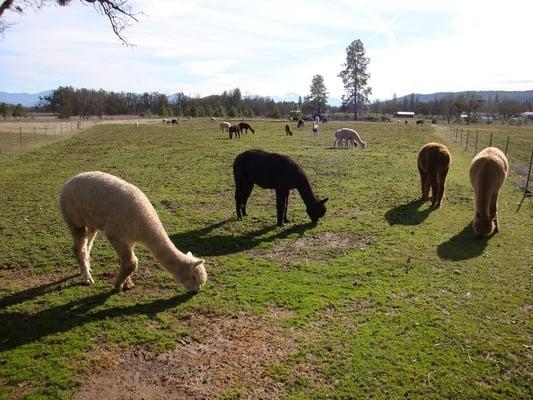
{"type": "Point", "coordinates": [227, 355]}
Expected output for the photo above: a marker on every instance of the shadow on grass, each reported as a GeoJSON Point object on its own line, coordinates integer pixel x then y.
{"type": "Point", "coordinates": [205, 244]}
{"type": "Point", "coordinates": [37, 291]}
{"type": "Point", "coordinates": [19, 328]}
{"type": "Point", "coordinates": [462, 246]}
{"type": "Point", "coordinates": [408, 213]}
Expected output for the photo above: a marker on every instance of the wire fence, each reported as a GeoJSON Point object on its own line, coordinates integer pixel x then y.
{"type": "Point", "coordinates": [517, 146]}
{"type": "Point", "coordinates": [19, 136]}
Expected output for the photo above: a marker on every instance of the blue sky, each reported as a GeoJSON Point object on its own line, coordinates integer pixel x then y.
{"type": "Point", "coordinates": [273, 48]}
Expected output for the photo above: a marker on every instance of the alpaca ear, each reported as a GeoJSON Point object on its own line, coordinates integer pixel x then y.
{"type": "Point", "coordinates": [189, 253]}
{"type": "Point", "coordinates": [198, 262]}
{"type": "Point", "coordinates": [323, 201]}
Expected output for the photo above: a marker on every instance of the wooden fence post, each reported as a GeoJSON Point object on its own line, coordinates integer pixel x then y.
{"type": "Point", "coordinates": [529, 173]}
{"type": "Point", "coordinates": [507, 145]}
{"type": "Point", "coordinates": [467, 137]}
{"type": "Point", "coordinates": [475, 149]}
{"type": "Point", "coordinates": [490, 141]}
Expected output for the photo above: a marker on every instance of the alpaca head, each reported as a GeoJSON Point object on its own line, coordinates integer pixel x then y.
{"type": "Point", "coordinates": [363, 144]}
{"type": "Point", "coordinates": [194, 276]}
{"type": "Point", "coordinates": [483, 226]}
{"type": "Point", "coordinates": [317, 210]}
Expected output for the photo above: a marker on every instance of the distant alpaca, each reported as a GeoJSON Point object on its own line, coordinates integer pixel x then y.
{"type": "Point", "coordinates": [316, 129]}
{"type": "Point", "coordinates": [224, 126]}
{"type": "Point", "coordinates": [93, 201]}
{"type": "Point", "coordinates": [234, 130]}
{"type": "Point", "coordinates": [350, 136]}
{"type": "Point", "coordinates": [273, 171]}
{"type": "Point", "coordinates": [244, 127]}
{"type": "Point", "coordinates": [434, 161]}
{"type": "Point", "coordinates": [288, 130]}
{"type": "Point", "coordinates": [301, 123]}
{"type": "Point", "coordinates": [212, 118]}
{"type": "Point", "coordinates": [488, 171]}
{"type": "Point", "coordinates": [324, 120]}
{"type": "Point", "coordinates": [174, 122]}
{"type": "Point", "coordinates": [165, 120]}
{"type": "Point", "coordinates": [136, 124]}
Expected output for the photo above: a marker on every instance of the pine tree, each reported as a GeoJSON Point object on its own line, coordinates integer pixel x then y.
{"type": "Point", "coordinates": [355, 77]}
{"type": "Point", "coordinates": [319, 94]}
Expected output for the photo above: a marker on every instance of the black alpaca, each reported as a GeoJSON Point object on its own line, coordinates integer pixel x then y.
{"type": "Point", "coordinates": [244, 127]}
{"type": "Point", "coordinates": [273, 171]}
{"type": "Point", "coordinates": [288, 131]}
{"type": "Point", "coordinates": [234, 129]}
{"type": "Point", "coordinates": [301, 123]}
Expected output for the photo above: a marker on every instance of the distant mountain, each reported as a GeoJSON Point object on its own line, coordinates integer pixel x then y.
{"type": "Point", "coordinates": [26, 99]}
{"type": "Point", "coordinates": [520, 96]}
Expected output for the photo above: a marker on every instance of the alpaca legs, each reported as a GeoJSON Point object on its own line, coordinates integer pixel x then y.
{"type": "Point", "coordinates": [81, 253]}
{"type": "Point", "coordinates": [441, 183]}
{"type": "Point", "coordinates": [494, 211]}
{"type": "Point", "coordinates": [242, 193]}
{"type": "Point", "coordinates": [128, 264]}
{"type": "Point", "coordinates": [285, 219]}
{"type": "Point", "coordinates": [424, 181]}
{"type": "Point", "coordinates": [434, 187]}
{"type": "Point", "coordinates": [282, 196]}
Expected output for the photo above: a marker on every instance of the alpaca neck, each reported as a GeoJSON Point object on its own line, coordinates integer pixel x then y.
{"type": "Point", "coordinates": [306, 193]}
{"type": "Point", "coordinates": [165, 252]}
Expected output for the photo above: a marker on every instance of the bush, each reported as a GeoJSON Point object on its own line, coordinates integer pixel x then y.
{"type": "Point", "coordinates": [384, 118]}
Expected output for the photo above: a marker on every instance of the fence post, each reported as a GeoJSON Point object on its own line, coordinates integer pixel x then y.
{"type": "Point", "coordinates": [507, 145]}
{"type": "Point", "coordinates": [34, 131]}
{"type": "Point", "coordinates": [529, 173]}
{"type": "Point", "coordinates": [467, 137]}
{"type": "Point", "coordinates": [20, 135]}
{"type": "Point", "coordinates": [456, 132]}
{"type": "Point", "coordinates": [475, 150]}
{"type": "Point", "coordinates": [490, 141]}
{"type": "Point", "coordinates": [461, 142]}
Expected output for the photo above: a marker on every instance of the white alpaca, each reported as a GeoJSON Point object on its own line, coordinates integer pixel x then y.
{"type": "Point", "coordinates": [315, 129]}
{"type": "Point", "coordinates": [136, 124]}
{"type": "Point", "coordinates": [350, 136]}
{"type": "Point", "coordinates": [224, 126]}
{"type": "Point", "coordinates": [317, 119]}
{"type": "Point", "coordinates": [93, 201]}
{"type": "Point", "coordinates": [212, 118]}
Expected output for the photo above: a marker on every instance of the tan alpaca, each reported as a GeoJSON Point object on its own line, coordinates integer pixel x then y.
{"type": "Point", "coordinates": [434, 161]}
{"type": "Point", "coordinates": [93, 201]}
{"type": "Point", "coordinates": [349, 136]}
{"type": "Point", "coordinates": [488, 171]}
{"type": "Point", "coordinates": [224, 126]}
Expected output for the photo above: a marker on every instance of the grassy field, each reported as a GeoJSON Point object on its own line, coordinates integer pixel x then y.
{"type": "Point", "coordinates": [385, 298]}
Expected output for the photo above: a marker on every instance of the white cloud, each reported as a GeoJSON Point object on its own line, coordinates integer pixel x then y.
{"type": "Point", "coordinates": [273, 48]}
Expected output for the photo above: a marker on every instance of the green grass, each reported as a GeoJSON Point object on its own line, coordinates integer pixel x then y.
{"type": "Point", "coordinates": [423, 310]}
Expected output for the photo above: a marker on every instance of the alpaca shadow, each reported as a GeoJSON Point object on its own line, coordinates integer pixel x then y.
{"type": "Point", "coordinates": [408, 213]}
{"type": "Point", "coordinates": [21, 328]}
{"type": "Point", "coordinates": [37, 291]}
{"type": "Point", "coordinates": [203, 243]}
{"type": "Point", "coordinates": [462, 246]}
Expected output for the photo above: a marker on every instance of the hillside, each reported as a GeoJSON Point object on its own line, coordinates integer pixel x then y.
{"type": "Point", "coordinates": [520, 96]}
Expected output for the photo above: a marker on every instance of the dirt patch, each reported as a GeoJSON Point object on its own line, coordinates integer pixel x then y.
{"type": "Point", "coordinates": [228, 356]}
{"type": "Point", "coordinates": [319, 247]}
{"type": "Point", "coordinates": [170, 205]}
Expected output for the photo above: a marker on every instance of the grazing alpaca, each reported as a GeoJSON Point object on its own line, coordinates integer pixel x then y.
{"type": "Point", "coordinates": [301, 123]}
{"type": "Point", "coordinates": [488, 171]}
{"type": "Point", "coordinates": [324, 120]}
{"type": "Point", "coordinates": [174, 122]}
{"type": "Point", "coordinates": [434, 161]}
{"type": "Point", "coordinates": [165, 120]}
{"type": "Point", "coordinates": [315, 129]}
{"type": "Point", "coordinates": [244, 127]}
{"type": "Point", "coordinates": [212, 119]}
{"type": "Point", "coordinates": [234, 129]}
{"type": "Point", "coordinates": [273, 171]}
{"type": "Point", "coordinates": [350, 136]}
{"type": "Point", "coordinates": [224, 126]}
{"type": "Point", "coordinates": [288, 131]}
{"type": "Point", "coordinates": [93, 201]}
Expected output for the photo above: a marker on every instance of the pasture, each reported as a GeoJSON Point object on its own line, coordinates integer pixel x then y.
{"type": "Point", "coordinates": [385, 298]}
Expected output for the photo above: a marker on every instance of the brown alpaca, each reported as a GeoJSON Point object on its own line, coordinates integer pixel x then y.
{"type": "Point", "coordinates": [301, 123]}
{"type": "Point", "coordinates": [488, 171]}
{"type": "Point", "coordinates": [244, 127]}
{"type": "Point", "coordinates": [434, 161]}
{"type": "Point", "coordinates": [288, 130]}
{"type": "Point", "coordinates": [234, 129]}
